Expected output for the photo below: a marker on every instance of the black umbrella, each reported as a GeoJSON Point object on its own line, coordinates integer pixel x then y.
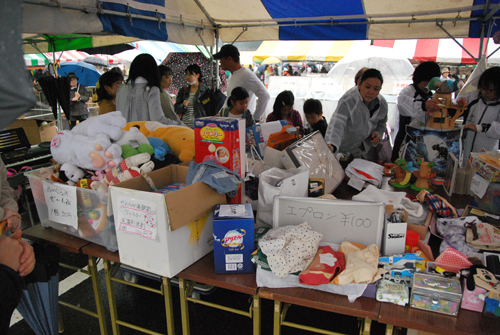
{"type": "Point", "coordinates": [39, 304]}
{"type": "Point", "coordinates": [56, 90]}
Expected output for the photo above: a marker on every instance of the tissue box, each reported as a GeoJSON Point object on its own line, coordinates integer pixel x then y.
{"type": "Point", "coordinates": [436, 293]}
{"type": "Point", "coordinates": [233, 228]}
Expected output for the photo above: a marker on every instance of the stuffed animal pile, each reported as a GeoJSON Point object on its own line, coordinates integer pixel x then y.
{"type": "Point", "coordinates": [105, 150]}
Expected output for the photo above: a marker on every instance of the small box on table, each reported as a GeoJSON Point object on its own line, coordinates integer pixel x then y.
{"type": "Point", "coordinates": [37, 131]}
{"type": "Point", "coordinates": [233, 228]}
{"type": "Point", "coordinates": [436, 293]}
{"type": "Point", "coordinates": [163, 233]}
{"type": "Point", "coordinates": [222, 139]}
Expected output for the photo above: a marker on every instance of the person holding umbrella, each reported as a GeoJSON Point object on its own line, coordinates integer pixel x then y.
{"type": "Point", "coordinates": [78, 97]}
{"type": "Point", "coordinates": [16, 256]}
{"type": "Point", "coordinates": [187, 104]}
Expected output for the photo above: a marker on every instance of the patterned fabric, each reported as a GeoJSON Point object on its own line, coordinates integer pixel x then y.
{"type": "Point", "coordinates": [326, 265]}
{"type": "Point", "coordinates": [290, 248]}
{"type": "Point", "coordinates": [179, 61]}
{"type": "Point", "coordinates": [188, 117]}
{"type": "Point", "coordinates": [439, 206]}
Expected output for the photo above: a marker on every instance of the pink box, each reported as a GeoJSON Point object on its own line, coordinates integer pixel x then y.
{"type": "Point", "coordinates": [471, 299]}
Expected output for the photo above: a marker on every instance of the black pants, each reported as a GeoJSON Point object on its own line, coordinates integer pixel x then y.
{"type": "Point", "coordinates": [403, 122]}
{"type": "Point", "coordinates": [74, 119]}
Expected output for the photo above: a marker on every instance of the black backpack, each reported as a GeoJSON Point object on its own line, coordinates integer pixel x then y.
{"type": "Point", "coordinates": [212, 101]}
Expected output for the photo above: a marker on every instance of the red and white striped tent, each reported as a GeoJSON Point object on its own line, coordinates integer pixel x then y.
{"type": "Point", "coordinates": [66, 56]}
{"type": "Point", "coordinates": [444, 50]}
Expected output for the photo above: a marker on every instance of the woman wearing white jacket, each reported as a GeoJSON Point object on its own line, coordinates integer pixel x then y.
{"type": "Point", "coordinates": [359, 121]}
{"type": "Point", "coordinates": [482, 122]}
{"type": "Point", "coordinates": [139, 98]}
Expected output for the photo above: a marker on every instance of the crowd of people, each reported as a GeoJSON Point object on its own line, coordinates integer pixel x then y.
{"type": "Point", "coordinates": [355, 128]}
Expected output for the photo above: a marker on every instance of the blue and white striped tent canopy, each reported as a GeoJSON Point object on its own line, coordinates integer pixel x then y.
{"type": "Point", "coordinates": [190, 21]}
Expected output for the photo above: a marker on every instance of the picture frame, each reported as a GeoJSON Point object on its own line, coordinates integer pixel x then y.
{"type": "Point", "coordinates": [450, 173]}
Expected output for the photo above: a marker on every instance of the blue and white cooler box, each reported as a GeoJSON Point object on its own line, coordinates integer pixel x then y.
{"type": "Point", "coordinates": [233, 238]}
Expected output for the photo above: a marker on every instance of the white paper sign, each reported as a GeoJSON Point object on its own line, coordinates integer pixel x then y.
{"type": "Point", "coordinates": [479, 185]}
{"type": "Point", "coordinates": [61, 203]}
{"type": "Point", "coordinates": [137, 217]}
{"type": "Point", "coordinates": [232, 210]}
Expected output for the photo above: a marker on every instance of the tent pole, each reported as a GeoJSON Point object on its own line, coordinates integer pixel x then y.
{"type": "Point", "coordinates": [491, 54]}
{"type": "Point", "coordinates": [59, 121]}
{"type": "Point", "coordinates": [217, 50]}
{"type": "Point", "coordinates": [440, 25]}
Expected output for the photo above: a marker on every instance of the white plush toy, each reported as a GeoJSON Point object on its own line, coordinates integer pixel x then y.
{"type": "Point", "coordinates": [89, 145]}
{"type": "Point", "coordinates": [72, 173]}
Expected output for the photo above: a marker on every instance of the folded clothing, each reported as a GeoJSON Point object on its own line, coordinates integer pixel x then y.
{"type": "Point", "coordinates": [397, 199]}
{"type": "Point", "coordinates": [361, 264]}
{"type": "Point", "coordinates": [367, 171]}
{"type": "Point", "coordinates": [290, 248]}
{"type": "Point", "coordinates": [325, 266]}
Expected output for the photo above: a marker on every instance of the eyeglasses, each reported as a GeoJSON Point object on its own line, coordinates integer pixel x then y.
{"type": "Point", "coordinates": [487, 91]}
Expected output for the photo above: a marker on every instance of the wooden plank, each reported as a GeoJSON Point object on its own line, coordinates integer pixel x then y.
{"type": "Point", "coordinates": [466, 323]}
{"type": "Point", "coordinates": [99, 251]}
{"type": "Point", "coordinates": [203, 271]}
{"type": "Point", "coordinates": [363, 307]}
{"type": "Point", "coordinates": [58, 238]}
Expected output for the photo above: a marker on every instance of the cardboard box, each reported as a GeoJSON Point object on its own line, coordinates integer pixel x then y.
{"type": "Point", "coordinates": [77, 211]}
{"type": "Point", "coordinates": [233, 228]}
{"type": "Point", "coordinates": [35, 131]}
{"type": "Point", "coordinates": [173, 230]}
{"type": "Point", "coordinates": [222, 139]}
{"type": "Point", "coordinates": [422, 230]}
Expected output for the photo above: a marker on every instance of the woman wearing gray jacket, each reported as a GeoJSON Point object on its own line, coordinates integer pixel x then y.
{"type": "Point", "coordinates": [139, 98]}
{"type": "Point", "coordinates": [360, 119]}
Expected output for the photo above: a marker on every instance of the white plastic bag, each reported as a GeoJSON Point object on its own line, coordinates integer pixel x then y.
{"type": "Point", "coordinates": [272, 182]}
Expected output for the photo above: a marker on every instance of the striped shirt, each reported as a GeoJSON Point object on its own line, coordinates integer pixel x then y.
{"type": "Point", "coordinates": [188, 117]}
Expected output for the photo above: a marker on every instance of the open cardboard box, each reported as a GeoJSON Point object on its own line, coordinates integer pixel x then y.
{"type": "Point", "coordinates": [35, 130]}
{"type": "Point", "coordinates": [183, 230]}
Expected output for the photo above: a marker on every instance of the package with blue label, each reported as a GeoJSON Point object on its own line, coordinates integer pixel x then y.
{"type": "Point", "coordinates": [233, 227]}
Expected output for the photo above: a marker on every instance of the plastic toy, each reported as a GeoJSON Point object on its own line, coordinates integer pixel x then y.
{"type": "Point", "coordinates": [441, 119]}
{"type": "Point", "coordinates": [424, 174]}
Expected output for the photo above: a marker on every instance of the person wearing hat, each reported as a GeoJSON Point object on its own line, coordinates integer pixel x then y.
{"type": "Point", "coordinates": [78, 96]}
{"type": "Point", "coordinates": [229, 58]}
{"type": "Point", "coordinates": [445, 74]}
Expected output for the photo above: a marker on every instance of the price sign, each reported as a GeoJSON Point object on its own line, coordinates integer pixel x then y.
{"type": "Point", "coordinates": [61, 203]}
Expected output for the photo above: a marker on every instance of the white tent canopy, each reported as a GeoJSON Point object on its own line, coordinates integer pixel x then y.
{"type": "Point", "coordinates": [189, 21]}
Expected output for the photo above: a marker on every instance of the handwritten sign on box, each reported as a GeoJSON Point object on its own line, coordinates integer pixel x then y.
{"type": "Point", "coordinates": [338, 220]}
{"type": "Point", "coordinates": [137, 217]}
{"type": "Point", "coordinates": [61, 203]}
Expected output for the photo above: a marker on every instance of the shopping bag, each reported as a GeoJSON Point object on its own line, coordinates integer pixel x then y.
{"type": "Point", "coordinates": [255, 166]}
{"type": "Point", "coordinates": [212, 101]}
{"type": "Point", "coordinates": [273, 182]}
{"type": "Point", "coordinates": [384, 149]}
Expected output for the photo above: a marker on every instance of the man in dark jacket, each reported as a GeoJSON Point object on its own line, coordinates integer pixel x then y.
{"type": "Point", "coordinates": [78, 97]}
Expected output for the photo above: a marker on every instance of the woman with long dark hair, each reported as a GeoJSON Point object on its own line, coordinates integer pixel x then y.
{"type": "Point", "coordinates": [283, 110]}
{"type": "Point", "coordinates": [188, 105]}
{"type": "Point", "coordinates": [106, 90]}
{"type": "Point", "coordinates": [139, 98]}
{"type": "Point", "coordinates": [166, 102]}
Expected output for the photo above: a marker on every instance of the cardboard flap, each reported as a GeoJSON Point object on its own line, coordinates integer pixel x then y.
{"type": "Point", "coordinates": [183, 206]}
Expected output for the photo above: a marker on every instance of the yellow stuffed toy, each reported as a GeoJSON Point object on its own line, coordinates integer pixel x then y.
{"type": "Point", "coordinates": [179, 139]}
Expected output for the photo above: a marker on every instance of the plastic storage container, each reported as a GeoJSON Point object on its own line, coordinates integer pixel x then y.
{"type": "Point", "coordinates": [491, 199]}
{"type": "Point", "coordinates": [436, 293]}
{"type": "Point", "coordinates": [89, 215]}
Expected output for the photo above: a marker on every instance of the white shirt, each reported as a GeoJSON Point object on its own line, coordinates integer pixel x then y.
{"type": "Point", "coordinates": [248, 80]}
